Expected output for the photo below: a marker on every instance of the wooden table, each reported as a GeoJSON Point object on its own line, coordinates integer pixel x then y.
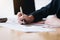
{"type": "Point", "coordinates": [8, 34]}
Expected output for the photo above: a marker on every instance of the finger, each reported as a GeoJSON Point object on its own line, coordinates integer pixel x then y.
{"type": "Point", "coordinates": [19, 21]}
{"type": "Point", "coordinates": [22, 19]}
{"type": "Point", "coordinates": [19, 14]}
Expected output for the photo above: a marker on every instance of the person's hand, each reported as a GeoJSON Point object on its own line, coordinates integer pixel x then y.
{"type": "Point", "coordinates": [21, 16]}
{"type": "Point", "coordinates": [53, 21]}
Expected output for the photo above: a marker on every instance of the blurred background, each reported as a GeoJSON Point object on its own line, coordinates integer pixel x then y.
{"type": "Point", "coordinates": [29, 6]}
{"type": "Point", "coordinates": [11, 7]}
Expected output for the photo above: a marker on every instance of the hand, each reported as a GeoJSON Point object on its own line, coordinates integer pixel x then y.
{"type": "Point", "coordinates": [21, 16]}
{"type": "Point", "coordinates": [53, 21]}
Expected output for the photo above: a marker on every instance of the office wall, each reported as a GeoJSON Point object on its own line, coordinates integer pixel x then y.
{"type": "Point", "coordinates": [41, 3]}
{"type": "Point", "coordinates": [6, 8]}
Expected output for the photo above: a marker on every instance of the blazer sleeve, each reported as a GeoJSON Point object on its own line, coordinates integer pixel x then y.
{"type": "Point", "coordinates": [44, 12]}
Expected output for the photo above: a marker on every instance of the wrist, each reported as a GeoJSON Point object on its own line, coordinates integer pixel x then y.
{"type": "Point", "coordinates": [31, 18]}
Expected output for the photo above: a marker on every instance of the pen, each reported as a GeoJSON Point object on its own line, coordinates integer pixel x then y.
{"type": "Point", "coordinates": [23, 21]}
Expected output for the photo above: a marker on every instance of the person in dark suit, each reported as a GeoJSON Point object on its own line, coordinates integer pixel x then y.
{"type": "Point", "coordinates": [50, 9]}
{"type": "Point", "coordinates": [28, 6]}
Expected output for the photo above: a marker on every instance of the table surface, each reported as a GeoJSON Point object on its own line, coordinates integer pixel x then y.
{"type": "Point", "coordinates": [9, 34]}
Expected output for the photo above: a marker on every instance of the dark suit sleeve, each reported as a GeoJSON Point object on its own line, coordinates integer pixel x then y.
{"type": "Point", "coordinates": [44, 12]}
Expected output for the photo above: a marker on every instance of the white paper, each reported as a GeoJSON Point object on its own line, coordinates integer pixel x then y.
{"type": "Point", "coordinates": [12, 23]}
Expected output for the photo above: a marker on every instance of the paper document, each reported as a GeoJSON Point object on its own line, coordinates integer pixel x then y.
{"type": "Point", "coordinates": [13, 24]}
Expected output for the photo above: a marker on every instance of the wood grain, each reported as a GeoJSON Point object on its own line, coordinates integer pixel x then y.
{"type": "Point", "coordinates": [9, 34]}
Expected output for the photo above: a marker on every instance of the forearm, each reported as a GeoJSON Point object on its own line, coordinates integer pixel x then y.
{"type": "Point", "coordinates": [50, 9]}
{"type": "Point", "coordinates": [39, 14]}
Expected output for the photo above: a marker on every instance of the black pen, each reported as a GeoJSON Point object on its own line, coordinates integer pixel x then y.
{"type": "Point", "coordinates": [23, 21]}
